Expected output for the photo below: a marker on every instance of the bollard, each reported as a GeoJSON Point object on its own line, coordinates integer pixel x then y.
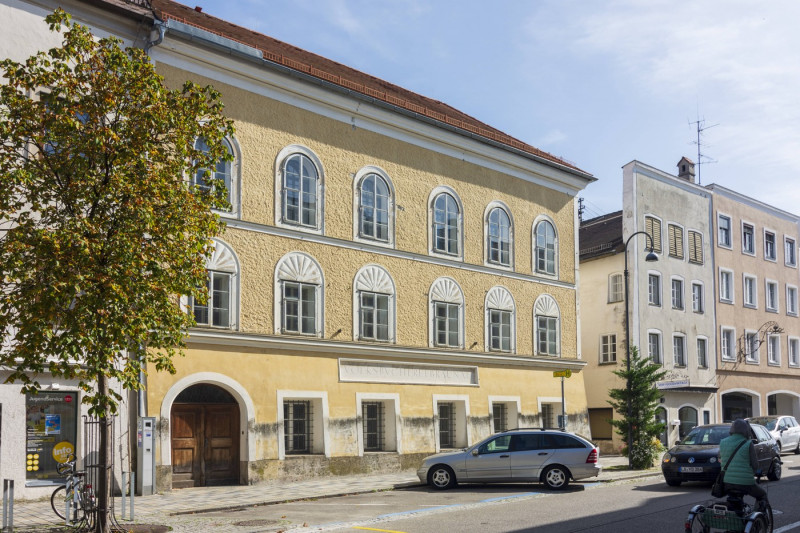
{"type": "Point", "coordinates": [133, 485]}
{"type": "Point", "coordinates": [8, 505]}
{"type": "Point", "coordinates": [124, 488]}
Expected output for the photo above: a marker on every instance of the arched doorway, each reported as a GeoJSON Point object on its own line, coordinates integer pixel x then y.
{"type": "Point", "coordinates": [737, 405]}
{"type": "Point", "coordinates": [688, 419]}
{"type": "Point", "coordinates": [205, 437]}
{"type": "Point", "coordinates": [661, 417]}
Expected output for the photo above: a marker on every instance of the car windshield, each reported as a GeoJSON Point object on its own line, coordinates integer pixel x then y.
{"type": "Point", "coordinates": [768, 423]}
{"type": "Point", "coordinates": [708, 435]}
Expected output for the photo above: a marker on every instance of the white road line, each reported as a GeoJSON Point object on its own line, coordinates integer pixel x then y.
{"type": "Point", "coordinates": [787, 528]}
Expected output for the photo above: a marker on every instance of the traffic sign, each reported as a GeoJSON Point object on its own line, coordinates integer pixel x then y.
{"type": "Point", "coordinates": [562, 373]}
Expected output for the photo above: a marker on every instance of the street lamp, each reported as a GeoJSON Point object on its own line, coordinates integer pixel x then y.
{"type": "Point", "coordinates": [651, 257]}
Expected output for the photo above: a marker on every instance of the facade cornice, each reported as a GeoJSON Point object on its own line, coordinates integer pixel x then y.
{"type": "Point", "coordinates": [665, 177]}
{"type": "Point", "coordinates": [719, 190]}
{"type": "Point", "coordinates": [355, 350]}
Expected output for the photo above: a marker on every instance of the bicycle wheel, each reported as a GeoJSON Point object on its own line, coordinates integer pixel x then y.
{"type": "Point", "coordinates": [759, 525]}
{"type": "Point", "coordinates": [58, 501]}
{"type": "Point", "coordinates": [693, 523]}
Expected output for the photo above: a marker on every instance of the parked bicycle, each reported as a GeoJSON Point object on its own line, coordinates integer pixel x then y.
{"type": "Point", "coordinates": [74, 499]}
{"type": "Point", "coordinates": [730, 515]}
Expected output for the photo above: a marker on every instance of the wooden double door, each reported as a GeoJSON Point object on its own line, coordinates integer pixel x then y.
{"type": "Point", "coordinates": [205, 445]}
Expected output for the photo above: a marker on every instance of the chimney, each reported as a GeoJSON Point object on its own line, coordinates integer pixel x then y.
{"type": "Point", "coordinates": [198, 9]}
{"type": "Point", "coordinates": [686, 169]}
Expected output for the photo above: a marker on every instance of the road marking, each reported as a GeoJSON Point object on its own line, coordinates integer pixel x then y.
{"type": "Point", "coordinates": [373, 529]}
{"type": "Point", "coordinates": [787, 528]}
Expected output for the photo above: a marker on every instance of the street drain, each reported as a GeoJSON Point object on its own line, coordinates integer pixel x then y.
{"type": "Point", "coordinates": [251, 523]}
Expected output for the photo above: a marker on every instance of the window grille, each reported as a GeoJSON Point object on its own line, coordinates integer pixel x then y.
{"type": "Point", "coordinates": [447, 425]}
{"type": "Point", "coordinates": [373, 416]}
{"type": "Point", "coordinates": [297, 427]}
{"type": "Point", "coordinates": [500, 417]}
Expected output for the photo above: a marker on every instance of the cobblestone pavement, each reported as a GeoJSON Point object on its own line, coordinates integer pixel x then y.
{"type": "Point", "coordinates": [213, 508]}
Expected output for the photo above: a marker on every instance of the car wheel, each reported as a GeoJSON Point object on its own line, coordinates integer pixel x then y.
{"type": "Point", "coordinates": [441, 477]}
{"type": "Point", "coordinates": [555, 477]}
{"type": "Point", "coordinates": [797, 450]}
{"type": "Point", "coordinates": [673, 481]}
{"type": "Point", "coordinates": [774, 473]}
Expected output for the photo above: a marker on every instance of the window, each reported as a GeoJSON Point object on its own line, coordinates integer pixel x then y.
{"type": "Point", "coordinates": [695, 247]}
{"type": "Point", "coordinates": [654, 347]}
{"type": "Point", "coordinates": [446, 311]}
{"type": "Point", "coordinates": [677, 293]}
{"type": "Point", "coordinates": [546, 321]}
{"type": "Point", "coordinates": [726, 286]}
{"type": "Point", "coordinates": [377, 422]}
{"type": "Point", "coordinates": [679, 350]}
{"type": "Point", "coordinates": [728, 348]}
{"type": "Point", "coordinates": [545, 259]}
{"type": "Point", "coordinates": [300, 191]}
{"type": "Point", "coordinates": [374, 299]}
{"type": "Point", "coordinates": [297, 424]}
{"type": "Point", "coordinates": [654, 289]}
{"type": "Point", "coordinates": [652, 226]}
{"type": "Point", "coordinates": [748, 239]}
{"type": "Point", "coordinates": [789, 252]}
{"type": "Point", "coordinates": [791, 300]}
{"type": "Point", "coordinates": [374, 209]}
{"type": "Point", "coordinates": [698, 305]}
{"type": "Point", "coordinates": [794, 352]}
{"type": "Point", "coordinates": [675, 241]}
{"type": "Point", "coordinates": [499, 237]}
{"type": "Point", "coordinates": [500, 316]}
{"type": "Point", "coordinates": [221, 175]}
{"type": "Point", "coordinates": [774, 349]}
{"type": "Point", "coordinates": [222, 306]}
{"type": "Point", "coordinates": [724, 231]}
{"type": "Point", "coordinates": [373, 417]}
{"type": "Point", "coordinates": [500, 417]}
{"type": "Point", "coordinates": [702, 352]}
{"type": "Point", "coordinates": [615, 288]}
{"type": "Point", "coordinates": [299, 295]}
{"type": "Point", "coordinates": [769, 246]}
{"type": "Point", "coordinates": [446, 225]}
{"type": "Point", "coordinates": [608, 348]}
{"type": "Point", "coordinates": [751, 345]}
{"type": "Point", "coordinates": [750, 295]}
{"type": "Point", "coordinates": [772, 296]}
{"type": "Point", "coordinates": [447, 424]}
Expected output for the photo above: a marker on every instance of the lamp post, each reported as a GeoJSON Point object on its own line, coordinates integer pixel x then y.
{"type": "Point", "coordinates": [651, 256]}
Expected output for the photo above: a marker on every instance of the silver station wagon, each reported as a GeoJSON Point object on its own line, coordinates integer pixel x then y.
{"type": "Point", "coordinates": [549, 456]}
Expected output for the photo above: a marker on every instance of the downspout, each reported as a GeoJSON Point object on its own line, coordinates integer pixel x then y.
{"type": "Point", "coordinates": [161, 28]}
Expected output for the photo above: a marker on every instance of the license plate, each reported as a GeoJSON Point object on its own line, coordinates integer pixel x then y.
{"type": "Point", "coordinates": [691, 469]}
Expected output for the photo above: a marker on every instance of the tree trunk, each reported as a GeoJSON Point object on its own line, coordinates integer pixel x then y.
{"type": "Point", "coordinates": [105, 451]}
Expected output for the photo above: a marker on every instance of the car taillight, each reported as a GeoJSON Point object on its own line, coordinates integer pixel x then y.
{"type": "Point", "coordinates": [592, 456]}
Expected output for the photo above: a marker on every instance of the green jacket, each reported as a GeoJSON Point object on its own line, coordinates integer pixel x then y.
{"type": "Point", "coordinates": [740, 471]}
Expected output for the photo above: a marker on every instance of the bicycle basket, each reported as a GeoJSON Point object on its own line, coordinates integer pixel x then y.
{"type": "Point", "coordinates": [719, 517]}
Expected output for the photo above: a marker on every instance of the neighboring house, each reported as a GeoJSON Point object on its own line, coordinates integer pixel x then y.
{"type": "Point", "coordinates": [755, 251]}
{"type": "Point", "coordinates": [396, 277]}
{"type": "Point", "coordinates": [670, 321]}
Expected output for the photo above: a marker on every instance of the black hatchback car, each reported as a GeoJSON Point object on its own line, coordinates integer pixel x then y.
{"type": "Point", "coordinates": [696, 457]}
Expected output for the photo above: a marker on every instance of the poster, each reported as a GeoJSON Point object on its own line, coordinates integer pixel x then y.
{"type": "Point", "coordinates": [51, 423]}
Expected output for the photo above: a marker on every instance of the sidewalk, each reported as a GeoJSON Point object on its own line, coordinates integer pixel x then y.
{"type": "Point", "coordinates": [38, 516]}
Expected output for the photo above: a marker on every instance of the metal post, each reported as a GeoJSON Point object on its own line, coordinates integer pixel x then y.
{"type": "Point", "coordinates": [133, 486]}
{"type": "Point", "coordinates": [563, 406]}
{"type": "Point", "coordinates": [8, 505]}
{"type": "Point", "coordinates": [124, 492]}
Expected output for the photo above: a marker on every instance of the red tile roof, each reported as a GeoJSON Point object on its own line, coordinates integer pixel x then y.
{"type": "Point", "coordinates": [325, 69]}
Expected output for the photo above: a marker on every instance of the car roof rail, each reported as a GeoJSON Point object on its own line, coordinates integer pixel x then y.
{"type": "Point", "coordinates": [537, 428]}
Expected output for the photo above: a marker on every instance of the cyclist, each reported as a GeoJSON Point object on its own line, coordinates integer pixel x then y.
{"type": "Point", "coordinates": [743, 468]}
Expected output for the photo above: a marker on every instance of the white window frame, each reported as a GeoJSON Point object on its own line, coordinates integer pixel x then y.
{"type": "Point", "coordinates": [767, 257]}
{"type": "Point", "coordinates": [616, 287]}
{"type": "Point", "coordinates": [546, 306]}
{"type": "Point", "coordinates": [608, 348]}
{"type": "Point", "coordinates": [682, 343]}
{"type": "Point", "coordinates": [752, 227]}
{"type": "Point", "coordinates": [235, 170]}
{"type": "Point", "coordinates": [771, 306]}
{"type": "Point", "coordinates": [698, 297]}
{"type": "Point", "coordinates": [727, 348]}
{"type": "Point", "coordinates": [791, 300]}
{"type": "Point", "coordinates": [500, 299]}
{"type": "Point", "coordinates": [377, 280]}
{"type": "Point", "coordinates": [447, 291]}
{"type": "Point", "coordinates": [752, 348]}
{"type": "Point", "coordinates": [749, 291]}
{"type": "Point", "coordinates": [677, 293]}
{"type": "Point", "coordinates": [794, 352]}
{"type": "Point", "coordinates": [704, 341]}
{"type": "Point", "coordinates": [283, 155]}
{"type": "Point", "coordinates": [725, 273]}
{"type": "Point", "coordinates": [299, 267]}
{"type": "Point", "coordinates": [222, 260]}
{"type": "Point", "coordinates": [773, 350]}
{"type": "Point", "coordinates": [790, 259]}
{"type": "Point", "coordinates": [512, 405]}
{"type": "Point", "coordinates": [435, 193]}
{"type": "Point", "coordinates": [392, 427]}
{"type": "Point", "coordinates": [320, 417]}
{"type": "Point", "coordinates": [654, 298]}
{"type": "Point", "coordinates": [463, 434]}
{"type": "Point", "coordinates": [358, 180]}
{"type": "Point", "coordinates": [487, 214]}
{"type": "Point", "coordinates": [535, 248]}
{"type": "Point", "coordinates": [659, 347]}
{"type": "Point", "coordinates": [724, 241]}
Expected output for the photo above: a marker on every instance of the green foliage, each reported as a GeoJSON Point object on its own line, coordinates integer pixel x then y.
{"type": "Point", "coordinates": [101, 230]}
{"type": "Point", "coordinates": [644, 400]}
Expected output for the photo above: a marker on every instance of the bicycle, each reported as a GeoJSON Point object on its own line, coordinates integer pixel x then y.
{"type": "Point", "coordinates": [75, 498]}
{"type": "Point", "coordinates": [730, 515]}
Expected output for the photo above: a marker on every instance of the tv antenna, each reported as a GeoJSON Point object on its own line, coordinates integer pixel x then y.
{"type": "Point", "coordinates": [700, 126]}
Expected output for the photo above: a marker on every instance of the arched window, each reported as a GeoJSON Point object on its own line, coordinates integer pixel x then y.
{"type": "Point", "coordinates": [375, 208]}
{"type": "Point", "coordinates": [299, 295]}
{"type": "Point", "coordinates": [221, 309]}
{"type": "Point", "coordinates": [688, 419]}
{"type": "Point", "coordinates": [374, 305]}
{"type": "Point", "coordinates": [545, 248]}
{"type": "Point", "coordinates": [498, 237]}
{"type": "Point", "coordinates": [546, 319]}
{"type": "Point", "coordinates": [615, 287]}
{"type": "Point", "coordinates": [446, 309]}
{"type": "Point", "coordinates": [446, 223]}
{"type": "Point", "coordinates": [224, 171]}
{"type": "Point", "coordinates": [500, 321]}
{"type": "Point", "coordinates": [299, 190]}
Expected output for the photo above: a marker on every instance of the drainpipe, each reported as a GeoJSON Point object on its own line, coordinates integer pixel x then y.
{"type": "Point", "coordinates": [161, 28]}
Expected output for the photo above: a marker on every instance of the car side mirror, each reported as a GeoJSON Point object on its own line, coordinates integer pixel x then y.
{"type": "Point", "coordinates": [475, 452]}
{"type": "Point", "coordinates": [755, 441]}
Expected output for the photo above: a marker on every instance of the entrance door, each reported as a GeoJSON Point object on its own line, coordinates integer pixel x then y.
{"type": "Point", "coordinates": [205, 445]}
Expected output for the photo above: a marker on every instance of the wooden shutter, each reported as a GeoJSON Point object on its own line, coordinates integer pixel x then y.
{"type": "Point", "coordinates": [695, 247]}
{"type": "Point", "coordinates": [675, 241]}
{"type": "Point", "coordinates": [653, 227]}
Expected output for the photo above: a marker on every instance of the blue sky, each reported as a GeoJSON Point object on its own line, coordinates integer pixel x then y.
{"type": "Point", "coordinates": [599, 83]}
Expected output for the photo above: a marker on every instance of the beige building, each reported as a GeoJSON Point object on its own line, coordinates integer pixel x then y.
{"type": "Point", "coordinates": [756, 306]}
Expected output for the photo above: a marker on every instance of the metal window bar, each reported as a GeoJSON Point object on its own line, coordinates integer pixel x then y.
{"type": "Point", "coordinates": [298, 434]}
{"type": "Point", "coordinates": [95, 468]}
{"type": "Point", "coordinates": [373, 414]}
{"type": "Point", "coordinates": [447, 425]}
{"type": "Point", "coordinates": [500, 417]}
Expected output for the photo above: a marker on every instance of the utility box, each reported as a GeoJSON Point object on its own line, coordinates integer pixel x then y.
{"type": "Point", "coordinates": [146, 456]}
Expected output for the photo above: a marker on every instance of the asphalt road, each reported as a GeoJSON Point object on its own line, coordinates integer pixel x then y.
{"type": "Point", "coordinates": [645, 504]}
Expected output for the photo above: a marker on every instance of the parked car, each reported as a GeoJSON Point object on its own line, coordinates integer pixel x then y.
{"type": "Point", "coordinates": [784, 428]}
{"type": "Point", "coordinates": [696, 456]}
{"type": "Point", "coordinates": [549, 456]}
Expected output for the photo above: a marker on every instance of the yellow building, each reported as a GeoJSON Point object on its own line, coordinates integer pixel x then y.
{"type": "Point", "coordinates": [396, 277]}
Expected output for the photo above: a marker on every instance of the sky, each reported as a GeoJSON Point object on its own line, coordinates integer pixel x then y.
{"type": "Point", "coordinates": [598, 83]}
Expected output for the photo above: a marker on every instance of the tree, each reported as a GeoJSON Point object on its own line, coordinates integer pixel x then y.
{"type": "Point", "coordinates": [644, 400]}
{"type": "Point", "coordinates": [101, 229]}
